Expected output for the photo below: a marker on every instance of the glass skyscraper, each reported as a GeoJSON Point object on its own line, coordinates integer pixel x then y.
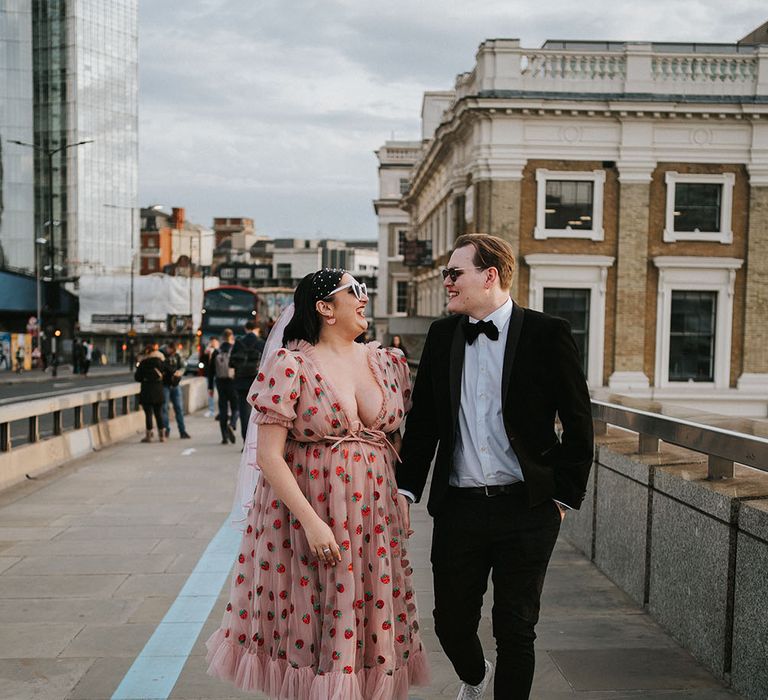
{"type": "Point", "coordinates": [82, 56]}
{"type": "Point", "coordinates": [17, 171]}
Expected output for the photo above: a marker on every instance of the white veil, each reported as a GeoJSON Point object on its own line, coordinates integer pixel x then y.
{"type": "Point", "coordinates": [249, 472]}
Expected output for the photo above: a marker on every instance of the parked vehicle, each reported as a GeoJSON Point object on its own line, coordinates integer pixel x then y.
{"type": "Point", "coordinates": [194, 365]}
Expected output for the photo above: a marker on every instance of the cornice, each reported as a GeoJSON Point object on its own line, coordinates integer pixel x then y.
{"type": "Point", "coordinates": [633, 107]}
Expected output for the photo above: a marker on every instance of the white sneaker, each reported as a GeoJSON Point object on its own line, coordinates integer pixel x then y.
{"type": "Point", "coordinates": [475, 692]}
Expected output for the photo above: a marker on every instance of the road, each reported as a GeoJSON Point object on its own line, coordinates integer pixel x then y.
{"type": "Point", "coordinates": [34, 388]}
{"type": "Point", "coordinates": [37, 389]}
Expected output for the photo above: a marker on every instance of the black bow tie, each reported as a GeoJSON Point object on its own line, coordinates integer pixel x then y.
{"type": "Point", "coordinates": [472, 330]}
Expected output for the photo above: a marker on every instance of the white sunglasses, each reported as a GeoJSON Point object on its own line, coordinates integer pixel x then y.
{"type": "Point", "coordinates": [355, 287]}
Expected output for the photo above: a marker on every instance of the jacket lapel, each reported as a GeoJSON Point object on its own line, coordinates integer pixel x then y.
{"type": "Point", "coordinates": [513, 336]}
{"type": "Point", "coordinates": [455, 369]}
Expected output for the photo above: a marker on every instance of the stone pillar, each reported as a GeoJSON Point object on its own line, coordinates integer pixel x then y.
{"type": "Point", "coordinates": [631, 277]}
{"type": "Point", "coordinates": [755, 369]}
{"type": "Point", "coordinates": [498, 210]}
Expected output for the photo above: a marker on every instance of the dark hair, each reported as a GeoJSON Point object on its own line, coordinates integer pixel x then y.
{"type": "Point", "coordinates": [306, 324]}
{"type": "Point", "coordinates": [250, 325]}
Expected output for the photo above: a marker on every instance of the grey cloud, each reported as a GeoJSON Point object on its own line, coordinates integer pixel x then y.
{"type": "Point", "coordinates": [235, 120]}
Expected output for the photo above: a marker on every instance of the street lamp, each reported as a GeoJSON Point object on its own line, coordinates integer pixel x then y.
{"type": "Point", "coordinates": [49, 153]}
{"type": "Point", "coordinates": [153, 207]}
{"type": "Point", "coordinates": [38, 242]}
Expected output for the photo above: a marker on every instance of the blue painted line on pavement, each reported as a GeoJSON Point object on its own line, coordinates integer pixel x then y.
{"type": "Point", "coordinates": [157, 668]}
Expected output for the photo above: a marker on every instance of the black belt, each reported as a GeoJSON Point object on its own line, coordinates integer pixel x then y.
{"type": "Point", "coordinates": [488, 491]}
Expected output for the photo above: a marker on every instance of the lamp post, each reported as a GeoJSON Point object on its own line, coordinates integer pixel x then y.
{"type": "Point", "coordinates": [131, 315]}
{"type": "Point", "coordinates": [49, 153]}
{"type": "Point", "coordinates": [38, 242]}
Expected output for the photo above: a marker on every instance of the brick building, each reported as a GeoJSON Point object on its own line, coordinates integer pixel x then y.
{"type": "Point", "coordinates": [632, 181]}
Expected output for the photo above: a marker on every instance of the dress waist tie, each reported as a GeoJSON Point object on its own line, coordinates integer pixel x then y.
{"type": "Point", "coordinates": [368, 436]}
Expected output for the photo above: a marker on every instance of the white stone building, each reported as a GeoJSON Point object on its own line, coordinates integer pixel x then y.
{"type": "Point", "coordinates": [396, 159]}
{"type": "Point", "coordinates": [632, 181]}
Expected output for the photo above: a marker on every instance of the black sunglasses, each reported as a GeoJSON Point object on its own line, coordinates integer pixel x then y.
{"type": "Point", "coordinates": [455, 272]}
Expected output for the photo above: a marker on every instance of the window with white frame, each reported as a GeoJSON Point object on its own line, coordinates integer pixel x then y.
{"type": "Point", "coordinates": [573, 287]}
{"type": "Point", "coordinates": [401, 297]}
{"type": "Point", "coordinates": [401, 238]}
{"type": "Point", "coordinates": [569, 204]}
{"type": "Point", "coordinates": [572, 305]}
{"type": "Point", "coordinates": [698, 207]}
{"type": "Point", "coordinates": [692, 323]}
{"type": "Point", "coordinates": [694, 318]}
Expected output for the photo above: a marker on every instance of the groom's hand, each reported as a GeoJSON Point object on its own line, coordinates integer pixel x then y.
{"type": "Point", "coordinates": [404, 506]}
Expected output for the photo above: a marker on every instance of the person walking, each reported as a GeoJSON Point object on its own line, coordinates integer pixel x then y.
{"type": "Point", "coordinates": [86, 357]}
{"type": "Point", "coordinates": [220, 373]}
{"type": "Point", "coordinates": [245, 358]}
{"type": "Point", "coordinates": [397, 343]}
{"type": "Point", "coordinates": [492, 379]}
{"type": "Point", "coordinates": [322, 603]}
{"type": "Point", "coordinates": [174, 371]}
{"type": "Point", "coordinates": [151, 373]}
{"type": "Point", "coordinates": [205, 359]}
{"type": "Point", "coordinates": [19, 358]}
{"type": "Point", "coordinates": [77, 356]}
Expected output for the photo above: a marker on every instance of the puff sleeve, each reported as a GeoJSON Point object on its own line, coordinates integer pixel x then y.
{"type": "Point", "coordinates": [402, 375]}
{"type": "Point", "coordinates": [276, 389]}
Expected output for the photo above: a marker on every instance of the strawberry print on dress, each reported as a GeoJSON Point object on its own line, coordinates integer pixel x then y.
{"type": "Point", "coordinates": [300, 630]}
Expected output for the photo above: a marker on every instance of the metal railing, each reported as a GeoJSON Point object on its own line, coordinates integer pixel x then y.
{"type": "Point", "coordinates": [725, 440]}
{"type": "Point", "coordinates": [86, 406]}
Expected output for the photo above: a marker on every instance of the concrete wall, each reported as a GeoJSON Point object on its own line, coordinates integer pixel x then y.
{"type": "Point", "coordinates": [693, 552]}
{"type": "Point", "coordinates": [40, 457]}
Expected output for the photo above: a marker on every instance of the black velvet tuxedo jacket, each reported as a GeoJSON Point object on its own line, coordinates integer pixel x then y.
{"type": "Point", "coordinates": [541, 379]}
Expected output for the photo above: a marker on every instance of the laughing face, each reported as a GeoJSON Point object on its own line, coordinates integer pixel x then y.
{"type": "Point", "coordinates": [468, 294]}
{"type": "Point", "coordinates": [349, 311]}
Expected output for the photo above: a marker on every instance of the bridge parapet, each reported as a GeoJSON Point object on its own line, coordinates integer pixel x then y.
{"type": "Point", "coordinates": [677, 515]}
{"type": "Point", "coordinates": [79, 423]}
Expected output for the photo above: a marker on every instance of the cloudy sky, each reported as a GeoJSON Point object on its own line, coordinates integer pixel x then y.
{"type": "Point", "coordinates": [272, 109]}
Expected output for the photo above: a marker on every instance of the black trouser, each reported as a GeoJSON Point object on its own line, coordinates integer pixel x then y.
{"type": "Point", "coordinates": [243, 387]}
{"type": "Point", "coordinates": [157, 410]}
{"type": "Point", "coordinates": [227, 404]}
{"type": "Point", "coordinates": [500, 535]}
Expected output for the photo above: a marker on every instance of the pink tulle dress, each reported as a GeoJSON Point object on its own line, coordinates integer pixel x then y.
{"type": "Point", "coordinates": [298, 630]}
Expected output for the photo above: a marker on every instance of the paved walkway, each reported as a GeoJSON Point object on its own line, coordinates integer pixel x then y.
{"type": "Point", "coordinates": [93, 556]}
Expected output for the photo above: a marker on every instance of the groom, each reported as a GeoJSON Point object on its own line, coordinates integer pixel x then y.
{"type": "Point", "coordinates": [492, 380]}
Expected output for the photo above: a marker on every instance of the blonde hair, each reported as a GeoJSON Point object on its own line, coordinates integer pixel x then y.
{"type": "Point", "coordinates": [491, 251]}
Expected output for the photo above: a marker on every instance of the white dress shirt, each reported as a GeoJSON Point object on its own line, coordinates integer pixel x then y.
{"type": "Point", "coordinates": [482, 454]}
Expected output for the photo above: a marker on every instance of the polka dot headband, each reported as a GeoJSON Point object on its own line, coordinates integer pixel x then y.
{"type": "Point", "coordinates": [324, 281]}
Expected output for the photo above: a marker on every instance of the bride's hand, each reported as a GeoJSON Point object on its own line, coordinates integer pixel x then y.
{"type": "Point", "coordinates": [322, 542]}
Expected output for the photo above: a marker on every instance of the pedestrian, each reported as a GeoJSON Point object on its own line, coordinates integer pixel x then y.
{"type": "Point", "coordinates": [245, 358]}
{"type": "Point", "coordinates": [151, 372]}
{"type": "Point", "coordinates": [174, 371]}
{"type": "Point", "coordinates": [86, 357]}
{"type": "Point", "coordinates": [19, 358]}
{"type": "Point", "coordinates": [77, 356]}
{"type": "Point", "coordinates": [223, 376]}
{"type": "Point", "coordinates": [205, 359]}
{"type": "Point", "coordinates": [322, 603]}
{"type": "Point", "coordinates": [397, 343]}
{"type": "Point", "coordinates": [3, 356]}
{"type": "Point", "coordinates": [491, 381]}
